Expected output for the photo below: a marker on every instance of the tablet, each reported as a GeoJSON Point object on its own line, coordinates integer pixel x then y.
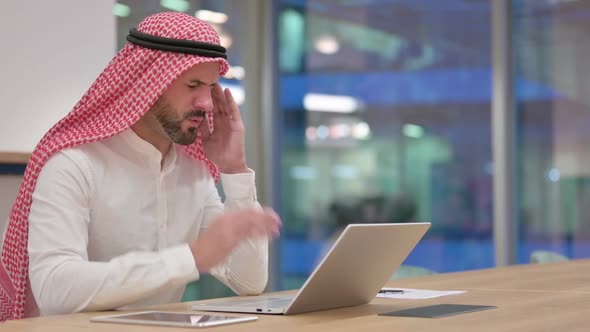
{"type": "Point", "coordinates": [438, 310]}
{"type": "Point", "coordinates": [180, 319]}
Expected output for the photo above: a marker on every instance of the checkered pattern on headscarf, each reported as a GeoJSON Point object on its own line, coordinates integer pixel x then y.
{"type": "Point", "coordinates": [124, 91]}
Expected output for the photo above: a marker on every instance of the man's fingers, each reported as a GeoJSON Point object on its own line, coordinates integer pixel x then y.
{"type": "Point", "coordinates": [204, 129]}
{"type": "Point", "coordinates": [219, 100]}
{"type": "Point", "coordinates": [232, 107]}
{"type": "Point", "coordinates": [252, 223]}
{"type": "Point", "coordinates": [274, 216]}
{"type": "Point", "coordinates": [261, 222]}
{"type": "Point", "coordinates": [273, 221]}
{"type": "Point", "coordinates": [270, 221]}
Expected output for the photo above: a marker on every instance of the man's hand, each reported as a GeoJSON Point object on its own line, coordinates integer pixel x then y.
{"type": "Point", "coordinates": [225, 146]}
{"type": "Point", "coordinates": [231, 228]}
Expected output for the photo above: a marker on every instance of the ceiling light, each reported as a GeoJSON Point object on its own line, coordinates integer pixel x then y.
{"type": "Point", "coordinates": [554, 175]}
{"type": "Point", "coordinates": [361, 130]}
{"type": "Point", "coordinates": [327, 45]}
{"type": "Point", "coordinates": [413, 131]}
{"type": "Point", "coordinates": [345, 171]}
{"type": "Point", "coordinates": [121, 10]}
{"type": "Point", "coordinates": [211, 16]}
{"type": "Point", "coordinates": [303, 172]}
{"type": "Point", "coordinates": [236, 72]}
{"type": "Point", "coordinates": [237, 92]}
{"type": "Point", "coordinates": [340, 130]}
{"type": "Point", "coordinates": [322, 132]}
{"type": "Point", "coordinates": [330, 103]}
{"type": "Point", "coordinates": [177, 5]}
{"type": "Point", "coordinates": [225, 40]}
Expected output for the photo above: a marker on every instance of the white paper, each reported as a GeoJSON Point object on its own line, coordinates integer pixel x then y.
{"type": "Point", "coordinates": [416, 294]}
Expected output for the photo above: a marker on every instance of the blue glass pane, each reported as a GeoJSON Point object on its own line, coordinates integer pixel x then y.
{"type": "Point", "coordinates": [551, 50]}
{"type": "Point", "coordinates": [386, 118]}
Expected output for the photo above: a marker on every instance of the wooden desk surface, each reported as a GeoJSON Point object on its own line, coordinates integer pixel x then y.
{"type": "Point", "coordinates": [14, 157]}
{"type": "Point", "coordinates": [548, 297]}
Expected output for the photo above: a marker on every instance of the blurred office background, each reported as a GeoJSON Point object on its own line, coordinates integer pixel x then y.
{"type": "Point", "coordinates": [410, 110]}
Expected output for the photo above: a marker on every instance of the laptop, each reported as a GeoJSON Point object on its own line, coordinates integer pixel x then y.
{"type": "Point", "coordinates": [361, 261]}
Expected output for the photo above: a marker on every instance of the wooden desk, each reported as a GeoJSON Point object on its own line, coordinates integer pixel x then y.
{"type": "Point", "coordinates": [14, 157]}
{"type": "Point", "coordinates": [549, 297]}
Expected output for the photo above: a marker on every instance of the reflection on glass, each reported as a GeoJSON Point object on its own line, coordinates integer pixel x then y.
{"type": "Point", "coordinates": [386, 110]}
{"type": "Point", "coordinates": [552, 78]}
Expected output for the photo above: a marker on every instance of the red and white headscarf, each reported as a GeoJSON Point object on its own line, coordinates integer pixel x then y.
{"type": "Point", "coordinates": [121, 95]}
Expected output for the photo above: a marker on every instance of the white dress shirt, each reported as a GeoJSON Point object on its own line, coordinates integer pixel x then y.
{"type": "Point", "coordinates": [109, 227]}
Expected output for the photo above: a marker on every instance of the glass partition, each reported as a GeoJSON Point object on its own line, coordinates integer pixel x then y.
{"type": "Point", "coordinates": [552, 76]}
{"type": "Point", "coordinates": [386, 109]}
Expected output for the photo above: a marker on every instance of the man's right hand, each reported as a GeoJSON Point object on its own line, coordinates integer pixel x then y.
{"type": "Point", "coordinates": [228, 230]}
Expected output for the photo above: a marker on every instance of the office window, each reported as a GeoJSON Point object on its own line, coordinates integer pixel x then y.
{"type": "Point", "coordinates": [552, 80]}
{"type": "Point", "coordinates": [386, 109]}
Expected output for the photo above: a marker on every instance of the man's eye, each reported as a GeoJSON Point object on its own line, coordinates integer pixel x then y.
{"type": "Point", "coordinates": [192, 86]}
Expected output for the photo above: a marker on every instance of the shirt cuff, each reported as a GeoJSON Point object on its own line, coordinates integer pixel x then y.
{"type": "Point", "coordinates": [239, 186]}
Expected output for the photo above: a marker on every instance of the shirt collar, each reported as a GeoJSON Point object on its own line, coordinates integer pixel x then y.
{"type": "Point", "coordinates": [148, 151]}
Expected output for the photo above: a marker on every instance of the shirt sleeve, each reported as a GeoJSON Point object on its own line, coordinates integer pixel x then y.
{"type": "Point", "coordinates": [62, 278]}
{"type": "Point", "coordinates": [245, 271]}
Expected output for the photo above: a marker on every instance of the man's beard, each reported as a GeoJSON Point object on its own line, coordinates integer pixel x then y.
{"type": "Point", "coordinates": [171, 122]}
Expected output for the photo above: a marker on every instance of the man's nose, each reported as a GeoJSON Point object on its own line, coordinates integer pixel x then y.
{"type": "Point", "coordinates": [202, 99]}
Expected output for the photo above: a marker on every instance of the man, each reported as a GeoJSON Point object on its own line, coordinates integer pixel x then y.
{"type": "Point", "coordinates": [118, 205]}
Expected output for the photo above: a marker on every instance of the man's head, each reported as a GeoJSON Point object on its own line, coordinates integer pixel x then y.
{"type": "Point", "coordinates": [176, 114]}
{"type": "Point", "coordinates": [180, 111]}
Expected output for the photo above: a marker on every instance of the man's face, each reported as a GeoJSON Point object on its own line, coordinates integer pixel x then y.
{"type": "Point", "coordinates": [179, 112]}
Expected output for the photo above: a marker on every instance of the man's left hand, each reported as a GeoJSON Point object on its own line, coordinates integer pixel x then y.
{"type": "Point", "coordinates": [225, 146]}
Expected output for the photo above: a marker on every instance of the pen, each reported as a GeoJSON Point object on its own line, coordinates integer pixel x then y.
{"type": "Point", "coordinates": [391, 291]}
